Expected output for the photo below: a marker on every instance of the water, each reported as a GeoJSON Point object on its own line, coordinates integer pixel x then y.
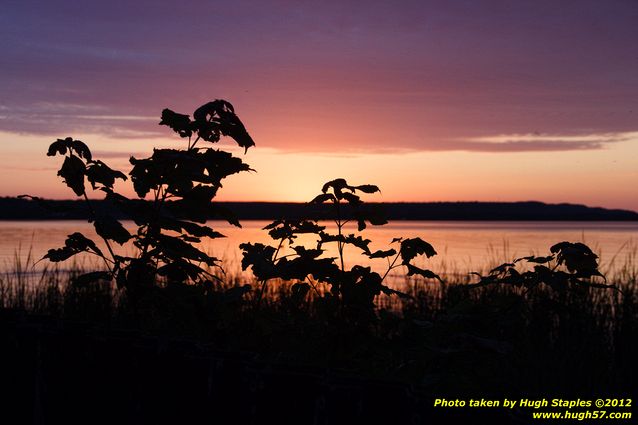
{"type": "Point", "coordinates": [463, 246]}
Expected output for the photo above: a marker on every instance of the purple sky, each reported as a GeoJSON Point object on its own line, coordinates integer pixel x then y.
{"type": "Point", "coordinates": [337, 77]}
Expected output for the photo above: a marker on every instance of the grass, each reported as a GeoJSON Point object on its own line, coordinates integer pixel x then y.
{"type": "Point", "coordinates": [444, 341]}
{"type": "Point", "coordinates": [539, 330]}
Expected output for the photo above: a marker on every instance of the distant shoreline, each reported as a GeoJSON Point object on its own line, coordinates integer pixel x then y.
{"type": "Point", "coordinates": [16, 209]}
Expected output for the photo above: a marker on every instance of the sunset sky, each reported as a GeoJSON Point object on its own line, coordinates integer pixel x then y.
{"type": "Point", "coordinates": [431, 100]}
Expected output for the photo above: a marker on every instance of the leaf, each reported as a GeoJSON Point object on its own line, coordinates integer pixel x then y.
{"type": "Point", "coordinates": [181, 270]}
{"type": "Point", "coordinates": [389, 291]}
{"type": "Point", "coordinates": [217, 117]}
{"type": "Point", "coordinates": [260, 258]}
{"type": "Point", "coordinates": [309, 253]}
{"type": "Point", "coordinates": [383, 254]}
{"type": "Point", "coordinates": [428, 274]}
{"type": "Point", "coordinates": [60, 146]}
{"type": "Point", "coordinates": [144, 175]}
{"type": "Point", "coordinates": [534, 259]}
{"type": "Point", "coordinates": [288, 229]}
{"type": "Point", "coordinates": [319, 199]}
{"type": "Point", "coordinates": [502, 268]}
{"type": "Point", "coordinates": [191, 228]}
{"type": "Point", "coordinates": [179, 123]}
{"type": "Point", "coordinates": [111, 229]}
{"type": "Point", "coordinates": [175, 249]}
{"type": "Point", "coordinates": [351, 198]}
{"type": "Point", "coordinates": [74, 244]}
{"type": "Point", "coordinates": [220, 164]}
{"type": "Point", "coordinates": [81, 149]}
{"type": "Point", "coordinates": [99, 172]}
{"type": "Point", "coordinates": [336, 185]}
{"type": "Point", "coordinates": [372, 214]}
{"type": "Point", "coordinates": [351, 239]}
{"type": "Point", "coordinates": [195, 204]}
{"type": "Point", "coordinates": [79, 241]}
{"type": "Point", "coordinates": [410, 248]}
{"type": "Point", "coordinates": [577, 257]}
{"type": "Point", "coordinates": [359, 242]}
{"type": "Point", "coordinates": [368, 188]}
{"type": "Point", "coordinates": [60, 254]}
{"type": "Point", "coordinates": [72, 172]}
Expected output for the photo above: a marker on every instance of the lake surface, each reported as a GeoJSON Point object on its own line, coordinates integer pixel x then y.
{"type": "Point", "coordinates": [462, 246]}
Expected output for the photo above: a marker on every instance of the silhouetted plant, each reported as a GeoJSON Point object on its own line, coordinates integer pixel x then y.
{"type": "Point", "coordinates": [182, 184]}
{"type": "Point", "coordinates": [357, 286]}
{"type": "Point", "coordinates": [569, 266]}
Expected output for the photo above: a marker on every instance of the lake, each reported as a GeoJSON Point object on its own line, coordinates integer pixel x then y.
{"type": "Point", "coordinates": [462, 246]}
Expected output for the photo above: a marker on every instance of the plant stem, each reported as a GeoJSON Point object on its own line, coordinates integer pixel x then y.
{"type": "Point", "coordinates": [263, 282]}
{"type": "Point", "coordinates": [339, 243]}
{"type": "Point", "coordinates": [106, 241]}
{"type": "Point", "coordinates": [392, 266]}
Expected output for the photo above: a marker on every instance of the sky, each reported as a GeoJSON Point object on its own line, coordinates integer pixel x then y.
{"type": "Point", "coordinates": [481, 100]}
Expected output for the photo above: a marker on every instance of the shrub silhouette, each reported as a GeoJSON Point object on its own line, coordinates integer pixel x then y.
{"type": "Point", "coordinates": [182, 184]}
{"type": "Point", "coordinates": [356, 287]}
{"type": "Point", "coordinates": [568, 266]}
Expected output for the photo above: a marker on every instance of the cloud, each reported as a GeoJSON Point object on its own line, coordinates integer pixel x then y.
{"type": "Point", "coordinates": [546, 143]}
{"type": "Point", "coordinates": [330, 77]}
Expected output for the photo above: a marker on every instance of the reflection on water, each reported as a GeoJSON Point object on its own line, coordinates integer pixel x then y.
{"type": "Point", "coordinates": [462, 245]}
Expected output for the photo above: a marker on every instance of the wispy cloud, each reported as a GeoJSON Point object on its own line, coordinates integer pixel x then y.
{"type": "Point", "coordinates": [541, 142]}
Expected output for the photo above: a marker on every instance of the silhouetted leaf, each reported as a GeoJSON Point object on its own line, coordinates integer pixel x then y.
{"type": "Point", "coordinates": [195, 204]}
{"type": "Point", "coordinates": [181, 270]}
{"type": "Point", "coordinates": [260, 258]}
{"type": "Point", "coordinates": [428, 274]}
{"type": "Point", "coordinates": [389, 291]}
{"type": "Point", "coordinates": [502, 268]}
{"type": "Point", "coordinates": [179, 123]}
{"type": "Point", "coordinates": [99, 172]}
{"type": "Point", "coordinates": [368, 188]}
{"type": "Point", "coordinates": [74, 244]}
{"type": "Point", "coordinates": [175, 248]}
{"type": "Point", "coordinates": [534, 259]}
{"type": "Point", "coordinates": [410, 248]}
{"type": "Point", "coordinates": [219, 116]}
{"type": "Point", "coordinates": [72, 172]}
{"type": "Point", "coordinates": [109, 228]}
{"type": "Point", "coordinates": [351, 239]}
{"type": "Point", "coordinates": [351, 198]}
{"type": "Point", "coordinates": [310, 253]}
{"type": "Point", "coordinates": [60, 146]}
{"type": "Point", "coordinates": [383, 254]}
{"type": "Point", "coordinates": [337, 186]}
{"type": "Point", "coordinates": [81, 149]}
{"type": "Point", "coordinates": [191, 228]}
{"type": "Point", "coordinates": [288, 229]}
{"type": "Point", "coordinates": [319, 199]}
{"type": "Point", "coordinates": [577, 257]}
{"type": "Point", "coordinates": [144, 175]}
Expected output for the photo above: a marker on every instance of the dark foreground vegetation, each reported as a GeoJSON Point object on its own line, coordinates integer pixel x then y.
{"type": "Point", "coordinates": [185, 352]}
{"type": "Point", "coordinates": [167, 335]}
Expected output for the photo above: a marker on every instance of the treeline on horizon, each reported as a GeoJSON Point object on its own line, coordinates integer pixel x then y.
{"type": "Point", "coordinates": [28, 209]}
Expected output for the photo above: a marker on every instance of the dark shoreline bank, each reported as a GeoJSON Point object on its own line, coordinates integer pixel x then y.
{"type": "Point", "coordinates": [24, 209]}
